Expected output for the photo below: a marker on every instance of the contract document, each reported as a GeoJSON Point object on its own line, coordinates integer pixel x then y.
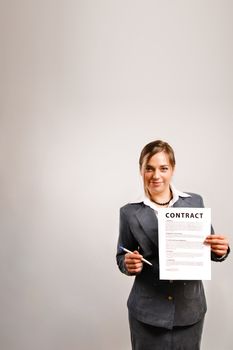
{"type": "Point", "coordinates": [182, 254]}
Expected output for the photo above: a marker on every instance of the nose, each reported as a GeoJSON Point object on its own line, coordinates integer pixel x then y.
{"type": "Point", "coordinates": [156, 174]}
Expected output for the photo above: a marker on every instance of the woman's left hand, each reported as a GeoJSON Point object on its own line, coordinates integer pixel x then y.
{"type": "Point", "coordinates": [219, 244]}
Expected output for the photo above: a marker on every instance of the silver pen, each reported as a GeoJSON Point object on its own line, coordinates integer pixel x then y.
{"type": "Point", "coordinates": [129, 251]}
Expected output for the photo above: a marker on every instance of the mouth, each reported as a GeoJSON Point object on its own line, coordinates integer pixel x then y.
{"type": "Point", "coordinates": [154, 183]}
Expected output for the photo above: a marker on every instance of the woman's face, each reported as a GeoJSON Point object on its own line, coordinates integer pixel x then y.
{"type": "Point", "coordinates": [157, 174]}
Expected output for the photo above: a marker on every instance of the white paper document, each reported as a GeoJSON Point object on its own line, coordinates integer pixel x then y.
{"type": "Point", "coordinates": [182, 254]}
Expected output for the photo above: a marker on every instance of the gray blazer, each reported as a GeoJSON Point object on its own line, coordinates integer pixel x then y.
{"type": "Point", "coordinates": [157, 302]}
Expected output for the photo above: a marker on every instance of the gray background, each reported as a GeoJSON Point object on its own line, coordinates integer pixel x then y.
{"type": "Point", "coordinates": [84, 85]}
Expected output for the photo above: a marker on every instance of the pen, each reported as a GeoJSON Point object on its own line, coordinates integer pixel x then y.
{"type": "Point", "coordinates": [129, 251]}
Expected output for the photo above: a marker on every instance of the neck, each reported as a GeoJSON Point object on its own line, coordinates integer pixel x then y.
{"type": "Point", "coordinates": [162, 199]}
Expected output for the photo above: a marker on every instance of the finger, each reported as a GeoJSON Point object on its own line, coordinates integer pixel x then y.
{"type": "Point", "coordinates": [133, 263]}
{"type": "Point", "coordinates": [219, 245]}
{"type": "Point", "coordinates": [134, 268]}
{"type": "Point", "coordinates": [219, 252]}
{"type": "Point", "coordinates": [216, 240]}
{"type": "Point", "coordinates": [212, 237]}
{"type": "Point", "coordinates": [133, 256]}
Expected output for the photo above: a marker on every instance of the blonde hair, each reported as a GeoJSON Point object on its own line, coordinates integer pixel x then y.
{"type": "Point", "coordinates": [154, 147]}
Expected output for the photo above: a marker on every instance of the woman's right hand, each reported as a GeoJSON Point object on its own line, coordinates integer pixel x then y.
{"type": "Point", "coordinates": [133, 262]}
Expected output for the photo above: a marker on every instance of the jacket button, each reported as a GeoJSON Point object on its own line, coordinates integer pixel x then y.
{"type": "Point", "coordinates": [170, 297]}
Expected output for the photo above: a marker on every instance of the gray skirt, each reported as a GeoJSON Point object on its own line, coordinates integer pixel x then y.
{"type": "Point", "coordinates": [146, 337]}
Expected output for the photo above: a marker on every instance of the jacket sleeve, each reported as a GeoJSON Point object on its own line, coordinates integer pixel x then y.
{"type": "Point", "coordinates": [126, 240]}
{"type": "Point", "coordinates": [217, 258]}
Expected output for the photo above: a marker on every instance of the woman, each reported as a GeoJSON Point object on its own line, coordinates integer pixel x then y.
{"type": "Point", "coordinates": [165, 315]}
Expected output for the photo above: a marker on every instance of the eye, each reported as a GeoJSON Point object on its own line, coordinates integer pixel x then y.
{"type": "Point", "coordinates": [164, 169]}
{"type": "Point", "coordinates": [148, 169]}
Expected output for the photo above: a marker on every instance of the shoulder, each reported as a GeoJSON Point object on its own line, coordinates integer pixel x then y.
{"type": "Point", "coordinates": [194, 195]}
{"type": "Point", "coordinates": [193, 200]}
{"type": "Point", "coordinates": [131, 208]}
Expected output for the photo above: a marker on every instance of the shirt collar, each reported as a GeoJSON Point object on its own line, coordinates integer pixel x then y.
{"type": "Point", "coordinates": [175, 194]}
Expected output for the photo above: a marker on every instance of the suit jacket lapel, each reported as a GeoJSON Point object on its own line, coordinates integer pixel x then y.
{"type": "Point", "coordinates": [184, 202]}
{"type": "Point", "coordinates": [149, 223]}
